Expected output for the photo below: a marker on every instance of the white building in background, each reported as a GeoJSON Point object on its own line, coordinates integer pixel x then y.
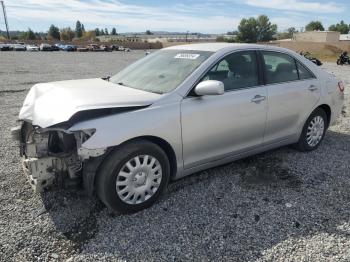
{"type": "Point", "coordinates": [344, 37]}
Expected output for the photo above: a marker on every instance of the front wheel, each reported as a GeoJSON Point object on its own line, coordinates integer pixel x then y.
{"type": "Point", "coordinates": [313, 131]}
{"type": "Point", "coordinates": [133, 176]}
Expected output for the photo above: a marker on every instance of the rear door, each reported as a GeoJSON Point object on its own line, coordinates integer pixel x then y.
{"type": "Point", "coordinates": [293, 91]}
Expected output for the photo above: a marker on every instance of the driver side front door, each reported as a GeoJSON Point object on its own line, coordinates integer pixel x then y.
{"type": "Point", "coordinates": [215, 127]}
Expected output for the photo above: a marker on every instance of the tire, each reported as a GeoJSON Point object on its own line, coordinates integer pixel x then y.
{"type": "Point", "coordinates": [304, 144]}
{"type": "Point", "coordinates": [339, 62]}
{"type": "Point", "coordinates": [114, 169]}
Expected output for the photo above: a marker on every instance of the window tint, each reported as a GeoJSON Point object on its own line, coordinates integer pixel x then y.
{"type": "Point", "coordinates": [279, 67]}
{"type": "Point", "coordinates": [237, 70]}
{"type": "Point", "coordinates": [303, 72]}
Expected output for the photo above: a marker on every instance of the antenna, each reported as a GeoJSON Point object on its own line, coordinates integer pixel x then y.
{"type": "Point", "coordinates": [5, 18]}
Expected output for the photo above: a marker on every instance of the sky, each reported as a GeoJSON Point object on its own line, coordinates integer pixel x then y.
{"type": "Point", "coordinates": [205, 16]}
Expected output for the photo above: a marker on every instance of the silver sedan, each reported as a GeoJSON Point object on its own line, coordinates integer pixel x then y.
{"type": "Point", "coordinates": [175, 112]}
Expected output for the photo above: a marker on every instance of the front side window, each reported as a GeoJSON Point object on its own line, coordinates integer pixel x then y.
{"type": "Point", "coordinates": [279, 67]}
{"type": "Point", "coordinates": [236, 71]}
{"type": "Point", "coordinates": [162, 71]}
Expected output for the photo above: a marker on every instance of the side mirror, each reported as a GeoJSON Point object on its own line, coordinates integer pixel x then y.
{"type": "Point", "coordinates": [209, 88]}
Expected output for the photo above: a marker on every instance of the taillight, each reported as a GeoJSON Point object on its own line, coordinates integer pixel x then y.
{"type": "Point", "coordinates": [341, 86]}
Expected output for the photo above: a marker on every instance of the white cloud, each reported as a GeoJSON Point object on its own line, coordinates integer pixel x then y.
{"type": "Point", "coordinates": [130, 17]}
{"type": "Point", "coordinates": [297, 5]}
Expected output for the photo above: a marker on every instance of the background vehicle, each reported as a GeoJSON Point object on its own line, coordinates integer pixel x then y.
{"type": "Point", "coordinates": [105, 48]}
{"type": "Point", "coordinates": [314, 60]}
{"type": "Point", "coordinates": [19, 47]}
{"type": "Point", "coordinates": [5, 47]}
{"type": "Point", "coordinates": [45, 47]}
{"type": "Point", "coordinates": [114, 47]}
{"type": "Point", "coordinates": [94, 48]}
{"type": "Point", "coordinates": [343, 59]}
{"type": "Point", "coordinates": [82, 49]}
{"type": "Point", "coordinates": [55, 48]}
{"type": "Point", "coordinates": [32, 48]}
{"type": "Point", "coordinates": [173, 113]}
{"type": "Point", "coordinates": [69, 48]}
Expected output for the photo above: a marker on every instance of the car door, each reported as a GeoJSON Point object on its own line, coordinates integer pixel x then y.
{"type": "Point", "coordinates": [214, 127]}
{"type": "Point", "coordinates": [292, 91]}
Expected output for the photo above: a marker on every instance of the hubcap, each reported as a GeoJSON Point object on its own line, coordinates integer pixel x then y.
{"type": "Point", "coordinates": [315, 131]}
{"type": "Point", "coordinates": [139, 179]}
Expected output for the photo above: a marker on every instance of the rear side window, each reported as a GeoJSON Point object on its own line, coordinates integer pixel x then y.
{"type": "Point", "coordinates": [304, 73]}
{"type": "Point", "coordinates": [279, 67]}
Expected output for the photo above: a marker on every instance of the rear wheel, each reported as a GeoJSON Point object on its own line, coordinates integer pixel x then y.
{"type": "Point", "coordinates": [133, 176]}
{"type": "Point", "coordinates": [313, 131]}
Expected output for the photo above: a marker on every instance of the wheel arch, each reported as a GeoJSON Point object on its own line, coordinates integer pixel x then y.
{"type": "Point", "coordinates": [92, 166]}
{"type": "Point", "coordinates": [327, 109]}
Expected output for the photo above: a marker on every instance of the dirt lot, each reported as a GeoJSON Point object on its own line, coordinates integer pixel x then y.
{"type": "Point", "coordinates": [278, 206]}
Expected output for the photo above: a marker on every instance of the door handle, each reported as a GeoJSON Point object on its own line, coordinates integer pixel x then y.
{"type": "Point", "coordinates": [313, 88]}
{"type": "Point", "coordinates": [258, 98]}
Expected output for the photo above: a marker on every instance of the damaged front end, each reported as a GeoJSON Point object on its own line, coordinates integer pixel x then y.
{"type": "Point", "coordinates": [53, 155]}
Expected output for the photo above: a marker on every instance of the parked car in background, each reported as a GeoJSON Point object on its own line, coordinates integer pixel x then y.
{"type": "Point", "coordinates": [5, 47]}
{"type": "Point", "coordinates": [114, 47]}
{"type": "Point", "coordinates": [45, 47]}
{"type": "Point", "coordinates": [55, 48]}
{"type": "Point", "coordinates": [60, 46]}
{"type": "Point", "coordinates": [173, 113]}
{"type": "Point", "coordinates": [32, 48]}
{"type": "Point", "coordinates": [94, 48]}
{"type": "Point", "coordinates": [19, 47]}
{"type": "Point", "coordinates": [70, 48]}
{"type": "Point", "coordinates": [105, 48]}
{"type": "Point", "coordinates": [82, 49]}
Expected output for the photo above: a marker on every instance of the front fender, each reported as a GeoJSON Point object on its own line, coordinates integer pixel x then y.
{"type": "Point", "coordinates": [162, 121]}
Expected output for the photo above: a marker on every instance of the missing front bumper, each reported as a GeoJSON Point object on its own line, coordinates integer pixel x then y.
{"type": "Point", "coordinates": [40, 172]}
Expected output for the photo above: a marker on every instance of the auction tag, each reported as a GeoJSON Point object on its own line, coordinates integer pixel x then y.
{"type": "Point", "coordinates": [187, 56]}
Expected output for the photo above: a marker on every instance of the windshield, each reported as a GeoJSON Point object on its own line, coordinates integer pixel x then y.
{"type": "Point", "coordinates": [162, 71]}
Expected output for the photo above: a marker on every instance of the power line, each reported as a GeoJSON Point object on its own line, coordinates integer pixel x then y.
{"type": "Point", "coordinates": [5, 18]}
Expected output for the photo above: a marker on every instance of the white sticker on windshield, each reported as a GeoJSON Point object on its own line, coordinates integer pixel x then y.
{"type": "Point", "coordinates": [187, 56]}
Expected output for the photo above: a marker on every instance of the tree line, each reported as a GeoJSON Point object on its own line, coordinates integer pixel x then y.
{"type": "Point", "coordinates": [260, 29]}
{"type": "Point", "coordinates": [250, 30]}
{"type": "Point", "coordinates": [66, 34]}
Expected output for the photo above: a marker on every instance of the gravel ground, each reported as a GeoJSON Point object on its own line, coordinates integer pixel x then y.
{"type": "Point", "coordinates": [278, 206]}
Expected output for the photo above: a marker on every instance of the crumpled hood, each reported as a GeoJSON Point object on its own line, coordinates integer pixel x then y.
{"type": "Point", "coordinates": [56, 102]}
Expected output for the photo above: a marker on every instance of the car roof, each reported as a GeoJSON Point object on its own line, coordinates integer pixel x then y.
{"type": "Point", "coordinates": [213, 47]}
{"type": "Point", "coordinates": [218, 47]}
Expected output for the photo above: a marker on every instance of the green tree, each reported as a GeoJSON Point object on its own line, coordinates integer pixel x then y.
{"type": "Point", "coordinates": [102, 32]}
{"type": "Point", "coordinates": [83, 28]}
{"type": "Point", "coordinates": [67, 34]}
{"type": "Point", "coordinates": [97, 32]}
{"type": "Point", "coordinates": [265, 29]}
{"type": "Point", "coordinates": [247, 30]}
{"type": "Point", "coordinates": [340, 27]}
{"type": "Point", "coordinates": [148, 32]}
{"type": "Point", "coordinates": [54, 32]}
{"type": "Point", "coordinates": [28, 35]}
{"type": "Point", "coordinates": [78, 30]}
{"type": "Point", "coordinates": [106, 31]}
{"type": "Point", "coordinates": [314, 26]}
{"type": "Point", "coordinates": [114, 31]}
{"type": "Point", "coordinates": [254, 30]}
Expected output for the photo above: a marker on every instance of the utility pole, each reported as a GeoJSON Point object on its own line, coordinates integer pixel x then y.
{"type": "Point", "coordinates": [5, 18]}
